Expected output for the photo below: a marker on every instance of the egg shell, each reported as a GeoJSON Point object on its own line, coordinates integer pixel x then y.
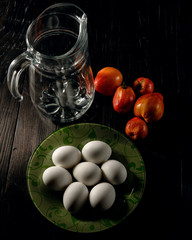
{"type": "Point", "coordinates": [88, 173]}
{"type": "Point", "coordinates": [102, 196]}
{"type": "Point", "coordinates": [66, 156]}
{"type": "Point", "coordinates": [56, 178]}
{"type": "Point", "coordinates": [96, 152]}
{"type": "Point", "coordinates": [75, 197]}
{"type": "Point", "coordinates": [114, 172]}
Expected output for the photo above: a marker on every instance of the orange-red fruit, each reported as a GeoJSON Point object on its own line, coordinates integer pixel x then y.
{"type": "Point", "coordinates": [123, 99]}
{"type": "Point", "coordinates": [108, 80]}
{"type": "Point", "coordinates": [136, 128]}
{"type": "Point", "coordinates": [143, 85]}
{"type": "Point", "coordinates": [150, 107]}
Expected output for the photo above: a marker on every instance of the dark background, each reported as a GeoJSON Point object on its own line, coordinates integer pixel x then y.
{"type": "Point", "coordinates": [141, 38]}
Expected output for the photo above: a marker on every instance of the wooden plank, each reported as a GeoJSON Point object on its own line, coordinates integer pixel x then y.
{"type": "Point", "coordinates": [146, 38]}
{"type": "Point", "coordinates": [8, 119]}
{"type": "Point", "coordinates": [31, 129]}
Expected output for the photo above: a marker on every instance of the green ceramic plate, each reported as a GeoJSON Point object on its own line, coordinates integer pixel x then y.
{"type": "Point", "coordinates": [49, 203]}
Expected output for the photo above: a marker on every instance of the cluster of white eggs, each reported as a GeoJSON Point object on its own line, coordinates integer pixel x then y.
{"type": "Point", "coordinates": [88, 173]}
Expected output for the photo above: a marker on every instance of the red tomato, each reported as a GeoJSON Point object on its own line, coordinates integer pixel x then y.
{"type": "Point", "coordinates": [136, 128]}
{"type": "Point", "coordinates": [123, 99]}
{"type": "Point", "coordinates": [150, 107]}
{"type": "Point", "coordinates": [107, 81]}
{"type": "Point", "coordinates": [143, 86]}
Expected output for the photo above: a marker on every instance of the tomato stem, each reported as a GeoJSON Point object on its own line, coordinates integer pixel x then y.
{"type": "Point", "coordinates": [124, 86]}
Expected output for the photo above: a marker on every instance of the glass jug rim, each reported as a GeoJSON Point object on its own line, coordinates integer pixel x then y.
{"type": "Point", "coordinates": [81, 39]}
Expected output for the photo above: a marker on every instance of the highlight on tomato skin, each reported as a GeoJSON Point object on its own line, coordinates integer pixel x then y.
{"type": "Point", "coordinates": [123, 99]}
{"type": "Point", "coordinates": [107, 80]}
{"type": "Point", "coordinates": [150, 107]}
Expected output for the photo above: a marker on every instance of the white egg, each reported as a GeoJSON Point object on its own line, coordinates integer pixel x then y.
{"type": "Point", "coordinates": [102, 196]}
{"type": "Point", "coordinates": [114, 172]}
{"type": "Point", "coordinates": [75, 197]}
{"type": "Point", "coordinates": [66, 156]}
{"type": "Point", "coordinates": [96, 152]}
{"type": "Point", "coordinates": [57, 178]}
{"type": "Point", "coordinates": [88, 173]}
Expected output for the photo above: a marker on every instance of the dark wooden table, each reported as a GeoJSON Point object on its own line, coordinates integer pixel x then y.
{"type": "Point", "coordinates": [141, 38]}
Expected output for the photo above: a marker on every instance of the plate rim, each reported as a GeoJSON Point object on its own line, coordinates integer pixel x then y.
{"type": "Point", "coordinates": [72, 126]}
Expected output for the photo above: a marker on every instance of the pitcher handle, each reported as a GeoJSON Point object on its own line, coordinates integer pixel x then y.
{"type": "Point", "coordinates": [17, 66]}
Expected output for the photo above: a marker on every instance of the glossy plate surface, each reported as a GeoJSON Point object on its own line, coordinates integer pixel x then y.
{"type": "Point", "coordinates": [49, 203]}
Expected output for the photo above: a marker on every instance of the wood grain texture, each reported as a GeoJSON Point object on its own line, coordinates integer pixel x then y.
{"type": "Point", "coordinates": [8, 119]}
{"type": "Point", "coordinates": [141, 38]}
{"type": "Point", "coordinates": [31, 129]}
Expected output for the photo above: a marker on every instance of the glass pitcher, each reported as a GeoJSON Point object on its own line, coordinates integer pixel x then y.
{"type": "Point", "coordinates": [60, 77]}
